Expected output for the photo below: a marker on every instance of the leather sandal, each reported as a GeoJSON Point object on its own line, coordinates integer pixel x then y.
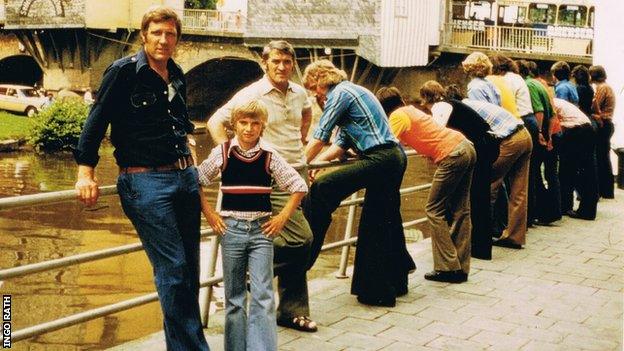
{"type": "Point", "coordinates": [301, 323]}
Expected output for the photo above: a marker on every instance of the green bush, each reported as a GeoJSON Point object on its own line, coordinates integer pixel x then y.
{"type": "Point", "coordinates": [58, 127]}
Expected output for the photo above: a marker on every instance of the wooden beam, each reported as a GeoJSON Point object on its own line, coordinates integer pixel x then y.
{"type": "Point", "coordinates": [365, 74]}
{"type": "Point", "coordinates": [21, 37]}
{"type": "Point", "coordinates": [378, 80]}
{"type": "Point", "coordinates": [55, 53]}
{"type": "Point", "coordinates": [354, 69]}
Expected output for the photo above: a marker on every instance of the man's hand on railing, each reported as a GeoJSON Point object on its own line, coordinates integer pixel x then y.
{"type": "Point", "coordinates": [87, 186]}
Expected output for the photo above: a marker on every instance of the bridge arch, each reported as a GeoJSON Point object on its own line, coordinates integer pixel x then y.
{"type": "Point", "coordinates": [20, 69]}
{"type": "Point", "coordinates": [214, 82]}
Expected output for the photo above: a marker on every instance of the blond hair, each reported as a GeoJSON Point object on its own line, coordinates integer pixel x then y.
{"type": "Point", "coordinates": [253, 109]}
{"type": "Point", "coordinates": [159, 14]}
{"type": "Point", "coordinates": [322, 73]}
{"type": "Point", "coordinates": [477, 64]}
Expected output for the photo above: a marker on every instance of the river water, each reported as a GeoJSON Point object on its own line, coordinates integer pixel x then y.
{"type": "Point", "coordinates": [35, 234]}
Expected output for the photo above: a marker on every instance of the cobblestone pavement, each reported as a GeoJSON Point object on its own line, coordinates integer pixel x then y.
{"type": "Point", "coordinates": [563, 291]}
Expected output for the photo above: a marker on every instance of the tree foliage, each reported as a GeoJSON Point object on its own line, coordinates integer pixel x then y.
{"type": "Point", "coordinates": [58, 127]}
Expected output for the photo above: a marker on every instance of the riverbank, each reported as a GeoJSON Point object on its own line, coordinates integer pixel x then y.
{"type": "Point", "coordinates": [13, 126]}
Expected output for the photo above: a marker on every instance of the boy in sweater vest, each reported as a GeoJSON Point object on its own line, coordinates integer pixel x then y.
{"type": "Point", "coordinates": [248, 165]}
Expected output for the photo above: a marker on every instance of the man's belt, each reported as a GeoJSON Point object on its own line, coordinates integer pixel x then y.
{"type": "Point", "coordinates": [182, 163]}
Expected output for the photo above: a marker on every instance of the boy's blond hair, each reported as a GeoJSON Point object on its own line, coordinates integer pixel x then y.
{"type": "Point", "coordinates": [253, 109]}
{"type": "Point", "coordinates": [477, 64]}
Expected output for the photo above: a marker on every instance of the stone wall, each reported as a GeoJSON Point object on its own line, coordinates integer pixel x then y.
{"type": "Point", "coordinates": [44, 13]}
{"type": "Point", "coordinates": [317, 19]}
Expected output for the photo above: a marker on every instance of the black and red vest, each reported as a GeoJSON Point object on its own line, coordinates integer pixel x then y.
{"type": "Point", "coordinates": [245, 181]}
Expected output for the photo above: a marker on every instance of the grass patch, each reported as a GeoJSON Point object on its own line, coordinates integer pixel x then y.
{"type": "Point", "coordinates": [14, 126]}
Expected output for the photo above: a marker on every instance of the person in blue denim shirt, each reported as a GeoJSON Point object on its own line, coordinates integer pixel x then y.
{"type": "Point", "coordinates": [563, 88]}
{"type": "Point", "coordinates": [142, 97]}
{"type": "Point", "coordinates": [247, 166]}
{"type": "Point", "coordinates": [382, 263]}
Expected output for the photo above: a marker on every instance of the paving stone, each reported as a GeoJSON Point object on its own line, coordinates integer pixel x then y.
{"type": "Point", "coordinates": [529, 320]}
{"type": "Point", "coordinates": [404, 320]}
{"type": "Point", "coordinates": [399, 346]}
{"type": "Point", "coordinates": [565, 278]}
{"type": "Point", "coordinates": [454, 344]}
{"type": "Point", "coordinates": [470, 288]}
{"type": "Point", "coordinates": [460, 331]}
{"type": "Point", "coordinates": [499, 341]}
{"type": "Point", "coordinates": [544, 346]}
{"type": "Point", "coordinates": [577, 316]}
{"type": "Point", "coordinates": [588, 343]}
{"type": "Point", "coordinates": [360, 326]}
{"type": "Point", "coordinates": [305, 344]}
{"type": "Point", "coordinates": [408, 308]}
{"type": "Point", "coordinates": [446, 303]}
{"type": "Point", "coordinates": [408, 335]}
{"type": "Point", "coordinates": [366, 342]}
{"type": "Point", "coordinates": [584, 330]}
{"type": "Point", "coordinates": [442, 315]}
{"type": "Point", "coordinates": [494, 312]}
{"type": "Point", "coordinates": [491, 325]}
{"type": "Point", "coordinates": [538, 334]}
{"type": "Point", "coordinates": [361, 311]}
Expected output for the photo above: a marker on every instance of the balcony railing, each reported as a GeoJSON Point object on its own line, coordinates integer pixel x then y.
{"type": "Point", "coordinates": [214, 21]}
{"type": "Point", "coordinates": [552, 41]}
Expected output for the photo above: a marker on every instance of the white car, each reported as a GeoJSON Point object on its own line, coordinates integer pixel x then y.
{"type": "Point", "coordinates": [21, 99]}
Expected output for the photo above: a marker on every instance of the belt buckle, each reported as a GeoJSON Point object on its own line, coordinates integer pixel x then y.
{"type": "Point", "coordinates": [182, 163]}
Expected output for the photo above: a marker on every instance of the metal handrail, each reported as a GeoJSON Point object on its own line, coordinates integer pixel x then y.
{"type": "Point", "coordinates": [108, 190]}
{"type": "Point", "coordinates": [121, 250]}
{"type": "Point", "coordinates": [54, 197]}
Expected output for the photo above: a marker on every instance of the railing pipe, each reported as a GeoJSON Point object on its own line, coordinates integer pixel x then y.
{"type": "Point", "coordinates": [344, 255]}
{"type": "Point", "coordinates": [205, 298]}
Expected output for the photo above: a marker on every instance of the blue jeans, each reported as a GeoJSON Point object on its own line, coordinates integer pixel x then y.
{"type": "Point", "coordinates": [164, 208]}
{"type": "Point", "coordinates": [244, 247]}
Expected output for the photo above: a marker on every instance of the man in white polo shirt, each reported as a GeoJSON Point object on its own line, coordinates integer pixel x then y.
{"type": "Point", "coordinates": [290, 115]}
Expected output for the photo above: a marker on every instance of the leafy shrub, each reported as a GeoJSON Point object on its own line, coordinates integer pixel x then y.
{"type": "Point", "coordinates": [58, 127]}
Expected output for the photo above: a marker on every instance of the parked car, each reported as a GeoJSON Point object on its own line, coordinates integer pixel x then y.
{"type": "Point", "coordinates": [21, 99]}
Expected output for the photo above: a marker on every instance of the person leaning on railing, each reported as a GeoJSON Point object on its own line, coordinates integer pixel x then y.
{"type": "Point", "coordinates": [449, 197]}
{"type": "Point", "coordinates": [143, 97]}
{"type": "Point", "coordinates": [382, 263]}
{"type": "Point", "coordinates": [448, 110]}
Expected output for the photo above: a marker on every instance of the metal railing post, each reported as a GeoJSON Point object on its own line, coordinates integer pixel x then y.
{"type": "Point", "coordinates": [344, 256]}
{"type": "Point", "coordinates": [205, 296]}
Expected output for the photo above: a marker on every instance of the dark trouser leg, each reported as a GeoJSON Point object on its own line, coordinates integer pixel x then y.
{"type": "Point", "coordinates": [325, 195]}
{"type": "Point", "coordinates": [156, 203]}
{"type": "Point", "coordinates": [291, 266]}
{"type": "Point", "coordinates": [381, 259]}
{"type": "Point", "coordinates": [568, 168]}
{"type": "Point", "coordinates": [531, 125]}
{"type": "Point", "coordinates": [291, 259]}
{"type": "Point", "coordinates": [481, 216]}
{"type": "Point", "coordinates": [605, 169]}
{"type": "Point", "coordinates": [588, 184]}
{"type": "Point", "coordinates": [551, 173]}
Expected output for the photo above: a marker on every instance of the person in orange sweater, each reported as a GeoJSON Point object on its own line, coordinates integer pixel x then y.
{"type": "Point", "coordinates": [449, 197]}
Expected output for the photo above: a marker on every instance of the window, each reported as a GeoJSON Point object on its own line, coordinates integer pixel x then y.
{"type": "Point", "coordinates": [31, 93]}
{"type": "Point", "coordinates": [3, 91]}
{"type": "Point", "coordinates": [542, 13]}
{"type": "Point", "coordinates": [571, 15]}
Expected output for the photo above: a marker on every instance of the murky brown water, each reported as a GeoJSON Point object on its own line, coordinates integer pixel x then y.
{"type": "Point", "coordinates": [35, 234]}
